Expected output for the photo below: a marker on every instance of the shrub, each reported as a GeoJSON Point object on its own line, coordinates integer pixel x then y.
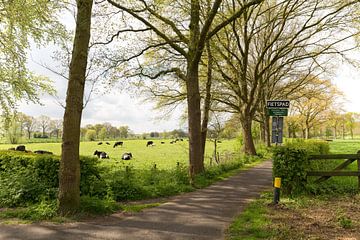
{"type": "Point", "coordinates": [311, 146]}
{"type": "Point", "coordinates": [26, 178]}
{"type": "Point", "coordinates": [291, 164]}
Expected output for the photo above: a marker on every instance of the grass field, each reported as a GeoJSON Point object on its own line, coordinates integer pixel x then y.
{"type": "Point", "coordinates": [344, 146]}
{"type": "Point", "coordinates": [163, 155]}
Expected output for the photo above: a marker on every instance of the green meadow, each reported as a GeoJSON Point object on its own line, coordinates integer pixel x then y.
{"type": "Point", "coordinates": [165, 156]}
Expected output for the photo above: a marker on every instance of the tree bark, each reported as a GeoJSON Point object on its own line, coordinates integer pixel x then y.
{"type": "Point", "coordinates": [249, 146]}
{"type": "Point", "coordinates": [194, 121]}
{"type": "Point", "coordinates": [69, 177]}
{"type": "Point", "coordinates": [307, 131]}
{"type": "Point", "coordinates": [207, 101]}
{"type": "Point", "coordinates": [267, 130]}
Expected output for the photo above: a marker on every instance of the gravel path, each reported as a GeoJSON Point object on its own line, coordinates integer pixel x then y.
{"type": "Point", "coordinates": [204, 214]}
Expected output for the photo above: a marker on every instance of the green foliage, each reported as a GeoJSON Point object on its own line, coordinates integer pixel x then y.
{"type": "Point", "coordinates": [27, 178]}
{"type": "Point", "coordinates": [137, 207]}
{"type": "Point", "coordinates": [43, 210]}
{"type": "Point", "coordinates": [345, 222]}
{"type": "Point", "coordinates": [90, 135]}
{"type": "Point", "coordinates": [311, 146]}
{"type": "Point", "coordinates": [22, 21]}
{"type": "Point", "coordinates": [252, 223]}
{"type": "Point", "coordinates": [97, 206]}
{"type": "Point", "coordinates": [291, 164]}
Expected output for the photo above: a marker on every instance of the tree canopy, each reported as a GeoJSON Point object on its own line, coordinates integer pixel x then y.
{"type": "Point", "coordinates": [22, 24]}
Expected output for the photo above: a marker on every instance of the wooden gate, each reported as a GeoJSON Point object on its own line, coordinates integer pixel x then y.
{"type": "Point", "coordinates": [349, 158]}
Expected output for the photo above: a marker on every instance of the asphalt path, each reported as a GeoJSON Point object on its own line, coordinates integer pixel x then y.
{"type": "Point", "coordinates": [203, 214]}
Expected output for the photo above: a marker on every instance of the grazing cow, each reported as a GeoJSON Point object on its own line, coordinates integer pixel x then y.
{"type": "Point", "coordinates": [162, 142]}
{"type": "Point", "coordinates": [101, 154]}
{"type": "Point", "coordinates": [42, 152]}
{"type": "Point", "coordinates": [181, 139]}
{"type": "Point", "coordinates": [150, 143]}
{"type": "Point", "coordinates": [126, 156]}
{"type": "Point", "coordinates": [99, 143]}
{"type": "Point", "coordinates": [218, 141]}
{"type": "Point", "coordinates": [107, 143]}
{"type": "Point", "coordinates": [118, 144]}
{"type": "Point", "coordinates": [172, 142]}
{"type": "Point", "coordinates": [20, 148]}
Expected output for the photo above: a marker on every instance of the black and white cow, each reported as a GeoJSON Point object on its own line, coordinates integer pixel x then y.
{"type": "Point", "coordinates": [101, 154]}
{"type": "Point", "coordinates": [126, 156]}
{"type": "Point", "coordinates": [118, 144]}
{"type": "Point", "coordinates": [150, 143]}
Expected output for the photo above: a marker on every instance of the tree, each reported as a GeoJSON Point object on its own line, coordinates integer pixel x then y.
{"type": "Point", "coordinates": [20, 22]}
{"type": "Point", "coordinates": [261, 53]}
{"type": "Point", "coordinates": [13, 129]}
{"type": "Point", "coordinates": [315, 103]}
{"type": "Point", "coordinates": [90, 135]}
{"type": "Point", "coordinates": [56, 127]}
{"type": "Point", "coordinates": [171, 36]}
{"type": "Point", "coordinates": [44, 123]}
{"type": "Point", "coordinates": [351, 118]}
{"type": "Point", "coordinates": [124, 131]}
{"type": "Point", "coordinates": [29, 125]}
{"type": "Point", "coordinates": [102, 133]}
{"type": "Point", "coordinates": [69, 175]}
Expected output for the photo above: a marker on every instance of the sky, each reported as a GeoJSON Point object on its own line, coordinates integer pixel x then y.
{"type": "Point", "coordinates": [116, 107]}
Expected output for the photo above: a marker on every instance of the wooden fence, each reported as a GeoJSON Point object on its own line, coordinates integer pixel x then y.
{"type": "Point", "coordinates": [349, 158]}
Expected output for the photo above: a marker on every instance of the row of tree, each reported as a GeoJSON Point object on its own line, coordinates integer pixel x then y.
{"type": "Point", "coordinates": [19, 125]}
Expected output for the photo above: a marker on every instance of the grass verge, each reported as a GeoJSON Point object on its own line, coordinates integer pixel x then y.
{"type": "Point", "coordinates": [302, 217]}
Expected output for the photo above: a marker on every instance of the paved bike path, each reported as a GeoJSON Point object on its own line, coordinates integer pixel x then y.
{"type": "Point", "coordinates": [204, 214]}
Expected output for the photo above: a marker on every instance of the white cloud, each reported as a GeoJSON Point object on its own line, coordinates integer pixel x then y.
{"type": "Point", "coordinates": [348, 81]}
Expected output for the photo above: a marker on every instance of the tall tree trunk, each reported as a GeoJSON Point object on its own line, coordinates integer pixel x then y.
{"type": "Point", "coordinates": [196, 161]}
{"type": "Point", "coordinates": [194, 121]}
{"type": "Point", "coordinates": [267, 130]}
{"type": "Point", "coordinates": [307, 131]}
{"type": "Point", "coordinates": [249, 146]}
{"type": "Point", "coordinates": [69, 177]}
{"type": "Point", "coordinates": [207, 101]}
{"type": "Point", "coordinates": [262, 131]}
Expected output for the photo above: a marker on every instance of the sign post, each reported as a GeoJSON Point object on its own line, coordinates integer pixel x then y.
{"type": "Point", "coordinates": [277, 109]}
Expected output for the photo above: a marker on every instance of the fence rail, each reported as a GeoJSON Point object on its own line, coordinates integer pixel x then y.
{"type": "Point", "coordinates": [349, 158]}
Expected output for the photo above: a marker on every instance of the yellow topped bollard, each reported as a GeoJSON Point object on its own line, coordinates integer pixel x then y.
{"type": "Point", "coordinates": [277, 185]}
{"type": "Point", "coordinates": [277, 182]}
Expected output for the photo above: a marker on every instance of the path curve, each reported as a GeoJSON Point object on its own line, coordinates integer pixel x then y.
{"type": "Point", "coordinates": [204, 214]}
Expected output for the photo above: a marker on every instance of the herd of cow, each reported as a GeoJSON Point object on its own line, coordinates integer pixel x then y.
{"type": "Point", "coordinates": [99, 154]}
{"type": "Point", "coordinates": [127, 155]}
{"type": "Point", "coordinates": [21, 148]}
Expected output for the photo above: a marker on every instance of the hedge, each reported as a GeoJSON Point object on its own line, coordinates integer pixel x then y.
{"type": "Point", "coordinates": [28, 178]}
{"type": "Point", "coordinates": [291, 162]}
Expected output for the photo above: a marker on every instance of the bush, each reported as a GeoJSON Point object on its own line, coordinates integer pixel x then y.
{"type": "Point", "coordinates": [291, 162]}
{"type": "Point", "coordinates": [311, 146]}
{"type": "Point", "coordinates": [27, 178]}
